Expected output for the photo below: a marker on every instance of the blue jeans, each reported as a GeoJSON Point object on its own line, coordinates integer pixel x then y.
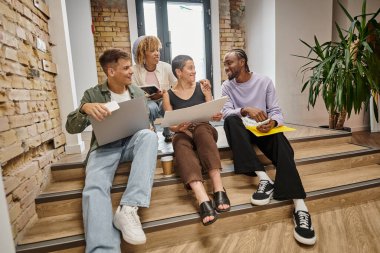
{"type": "Point", "coordinates": [156, 110]}
{"type": "Point", "coordinates": [141, 149]}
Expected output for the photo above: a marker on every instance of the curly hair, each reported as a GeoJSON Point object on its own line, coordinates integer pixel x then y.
{"type": "Point", "coordinates": [112, 56]}
{"type": "Point", "coordinates": [148, 43]}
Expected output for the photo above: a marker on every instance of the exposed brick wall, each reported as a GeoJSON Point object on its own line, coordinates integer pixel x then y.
{"type": "Point", "coordinates": [110, 22]}
{"type": "Point", "coordinates": [31, 135]}
{"type": "Point", "coordinates": [231, 25]}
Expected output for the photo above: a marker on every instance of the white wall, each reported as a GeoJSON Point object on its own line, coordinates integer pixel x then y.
{"type": "Point", "coordinates": [82, 45]}
{"type": "Point", "coordinates": [273, 30]}
{"type": "Point", "coordinates": [299, 19]}
{"type": "Point", "coordinates": [61, 54]}
{"type": "Point", "coordinates": [260, 36]}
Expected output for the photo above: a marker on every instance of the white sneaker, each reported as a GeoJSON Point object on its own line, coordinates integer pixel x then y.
{"type": "Point", "coordinates": [128, 222]}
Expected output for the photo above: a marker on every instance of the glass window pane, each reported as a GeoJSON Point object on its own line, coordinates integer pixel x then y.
{"type": "Point", "coordinates": [150, 18]}
{"type": "Point", "coordinates": [186, 28]}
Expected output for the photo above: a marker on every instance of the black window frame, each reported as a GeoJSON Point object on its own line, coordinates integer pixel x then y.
{"type": "Point", "coordinates": [163, 28]}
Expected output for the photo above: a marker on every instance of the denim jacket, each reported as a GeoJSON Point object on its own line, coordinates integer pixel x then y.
{"type": "Point", "coordinates": [78, 121]}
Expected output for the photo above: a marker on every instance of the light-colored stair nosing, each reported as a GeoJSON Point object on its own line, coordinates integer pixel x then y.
{"type": "Point", "coordinates": [52, 245]}
{"type": "Point", "coordinates": [159, 225]}
{"type": "Point", "coordinates": [228, 170]}
{"type": "Point", "coordinates": [342, 155]}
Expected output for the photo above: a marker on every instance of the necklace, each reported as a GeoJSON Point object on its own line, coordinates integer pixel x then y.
{"type": "Point", "coordinates": [150, 70]}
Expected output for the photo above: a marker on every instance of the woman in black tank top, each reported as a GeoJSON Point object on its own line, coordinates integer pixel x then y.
{"type": "Point", "coordinates": [194, 143]}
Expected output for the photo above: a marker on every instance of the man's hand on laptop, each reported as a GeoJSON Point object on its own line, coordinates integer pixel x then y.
{"type": "Point", "coordinates": [96, 110]}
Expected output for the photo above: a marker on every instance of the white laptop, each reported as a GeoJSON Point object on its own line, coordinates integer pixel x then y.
{"type": "Point", "coordinates": [132, 116]}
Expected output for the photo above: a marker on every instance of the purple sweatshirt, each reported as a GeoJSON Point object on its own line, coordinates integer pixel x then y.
{"type": "Point", "coordinates": [257, 92]}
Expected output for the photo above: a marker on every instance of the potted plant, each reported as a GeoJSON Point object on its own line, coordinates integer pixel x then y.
{"type": "Point", "coordinates": [347, 72]}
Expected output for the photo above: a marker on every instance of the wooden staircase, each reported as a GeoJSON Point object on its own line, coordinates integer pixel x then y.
{"type": "Point", "coordinates": [334, 172]}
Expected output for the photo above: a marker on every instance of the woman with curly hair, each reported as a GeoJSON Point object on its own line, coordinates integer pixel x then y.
{"type": "Point", "coordinates": [150, 70]}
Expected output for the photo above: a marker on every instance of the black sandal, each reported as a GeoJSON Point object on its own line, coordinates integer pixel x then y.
{"type": "Point", "coordinates": [221, 198]}
{"type": "Point", "coordinates": [206, 208]}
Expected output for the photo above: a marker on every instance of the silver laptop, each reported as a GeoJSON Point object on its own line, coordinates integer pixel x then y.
{"type": "Point", "coordinates": [132, 116]}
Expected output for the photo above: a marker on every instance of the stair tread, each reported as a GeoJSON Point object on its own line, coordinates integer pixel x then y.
{"type": "Point", "coordinates": [239, 191]}
{"type": "Point", "coordinates": [329, 150]}
{"type": "Point", "coordinates": [78, 184]}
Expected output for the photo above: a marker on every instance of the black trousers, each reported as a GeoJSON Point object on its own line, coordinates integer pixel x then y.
{"type": "Point", "coordinates": [276, 147]}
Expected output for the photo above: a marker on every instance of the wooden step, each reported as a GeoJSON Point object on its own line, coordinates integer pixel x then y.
{"type": "Point", "coordinates": [302, 156]}
{"type": "Point", "coordinates": [75, 170]}
{"type": "Point", "coordinates": [120, 179]}
{"type": "Point", "coordinates": [240, 217]}
{"type": "Point", "coordinates": [58, 205]}
{"type": "Point", "coordinates": [161, 213]}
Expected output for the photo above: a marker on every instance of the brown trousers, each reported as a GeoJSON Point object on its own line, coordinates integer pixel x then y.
{"type": "Point", "coordinates": [196, 151]}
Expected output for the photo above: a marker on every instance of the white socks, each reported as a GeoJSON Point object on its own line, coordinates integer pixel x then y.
{"type": "Point", "coordinates": [263, 176]}
{"type": "Point", "coordinates": [299, 205]}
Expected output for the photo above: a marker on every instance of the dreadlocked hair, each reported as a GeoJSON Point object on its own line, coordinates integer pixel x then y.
{"type": "Point", "coordinates": [240, 53]}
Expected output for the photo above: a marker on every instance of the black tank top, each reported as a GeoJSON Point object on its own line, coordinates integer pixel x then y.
{"type": "Point", "coordinates": [179, 103]}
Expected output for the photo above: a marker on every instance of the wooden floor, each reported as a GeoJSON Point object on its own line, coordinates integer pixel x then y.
{"type": "Point", "coordinates": [358, 231]}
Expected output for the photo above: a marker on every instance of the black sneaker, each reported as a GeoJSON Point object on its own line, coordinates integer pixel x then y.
{"type": "Point", "coordinates": [263, 194]}
{"type": "Point", "coordinates": [303, 231]}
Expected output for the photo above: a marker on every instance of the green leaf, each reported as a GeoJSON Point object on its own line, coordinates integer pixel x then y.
{"type": "Point", "coordinates": [375, 15]}
{"type": "Point", "coordinates": [317, 47]}
{"type": "Point", "coordinates": [346, 12]}
{"type": "Point", "coordinates": [305, 85]}
{"type": "Point", "coordinates": [364, 23]}
{"type": "Point", "coordinates": [347, 57]}
{"type": "Point", "coordinates": [367, 46]}
{"type": "Point", "coordinates": [339, 31]}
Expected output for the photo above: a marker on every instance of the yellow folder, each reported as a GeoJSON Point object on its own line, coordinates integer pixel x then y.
{"type": "Point", "coordinates": [274, 130]}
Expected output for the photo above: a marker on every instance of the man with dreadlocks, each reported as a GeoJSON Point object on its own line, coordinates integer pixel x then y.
{"type": "Point", "coordinates": [253, 95]}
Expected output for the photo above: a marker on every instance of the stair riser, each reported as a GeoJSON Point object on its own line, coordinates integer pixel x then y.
{"type": "Point", "coordinates": [78, 172]}
{"type": "Point", "coordinates": [233, 181]}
